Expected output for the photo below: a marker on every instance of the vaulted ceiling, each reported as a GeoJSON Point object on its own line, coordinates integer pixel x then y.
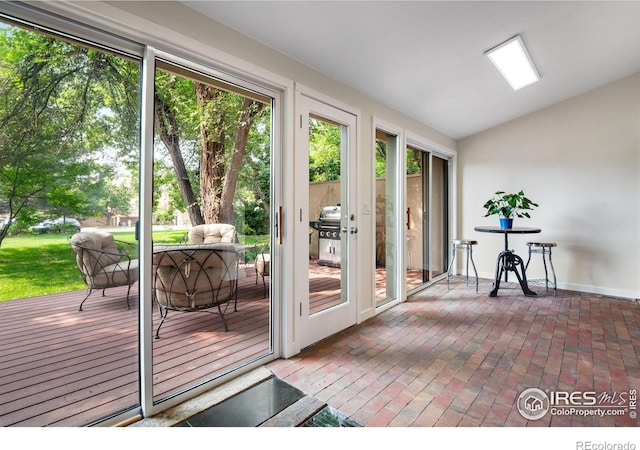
{"type": "Point", "coordinates": [426, 58]}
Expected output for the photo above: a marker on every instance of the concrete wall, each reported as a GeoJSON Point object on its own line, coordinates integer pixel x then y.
{"type": "Point", "coordinates": [580, 160]}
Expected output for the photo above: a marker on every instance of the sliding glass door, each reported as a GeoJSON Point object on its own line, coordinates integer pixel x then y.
{"type": "Point", "coordinates": [212, 171]}
{"type": "Point", "coordinates": [105, 140]}
{"type": "Point", "coordinates": [69, 164]}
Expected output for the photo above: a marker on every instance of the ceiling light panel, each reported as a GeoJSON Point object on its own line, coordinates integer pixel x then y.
{"type": "Point", "coordinates": [514, 63]}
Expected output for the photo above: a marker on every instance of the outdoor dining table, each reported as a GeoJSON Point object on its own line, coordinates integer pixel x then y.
{"type": "Point", "coordinates": [508, 261]}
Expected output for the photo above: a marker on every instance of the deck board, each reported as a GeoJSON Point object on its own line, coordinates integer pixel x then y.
{"type": "Point", "coordinates": [64, 367]}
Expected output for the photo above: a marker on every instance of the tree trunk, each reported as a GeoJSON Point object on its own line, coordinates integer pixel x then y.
{"type": "Point", "coordinates": [212, 134]}
{"type": "Point", "coordinates": [14, 209]}
{"type": "Point", "coordinates": [218, 180]}
{"type": "Point", "coordinates": [248, 113]}
{"type": "Point", "coordinates": [168, 127]}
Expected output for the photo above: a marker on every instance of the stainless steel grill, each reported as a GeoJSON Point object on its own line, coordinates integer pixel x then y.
{"type": "Point", "coordinates": [328, 226]}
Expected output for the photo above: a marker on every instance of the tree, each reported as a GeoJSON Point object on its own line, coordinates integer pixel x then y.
{"type": "Point", "coordinates": [324, 151]}
{"type": "Point", "coordinates": [255, 199]}
{"type": "Point", "coordinates": [170, 117]}
{"type": "Point", "coordinates": [219, 175]}
{"type": "Point", "coordinates": [52, 98]}
{"type": "Point", "coordinates": [165, 188]}
{"type": "Point", "coordinates": [63, 107]}
{"type": "Point", "coordinates": [190, 111]}
{"type": "Point", "coordinates": [381, 158]}
{"type": "Point", "coordinates": [105, 194]}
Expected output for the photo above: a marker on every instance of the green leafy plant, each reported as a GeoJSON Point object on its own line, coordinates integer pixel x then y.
{"type": "Point", "coordinates": [509, 205]}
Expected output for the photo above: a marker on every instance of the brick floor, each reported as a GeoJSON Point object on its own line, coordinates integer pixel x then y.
{"type": "Point", "coordinates": [454, 358]}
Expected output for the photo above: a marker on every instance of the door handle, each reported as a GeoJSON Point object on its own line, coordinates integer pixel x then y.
{"type": "Point", "coordinates": [280, 239]}
{"type": "Point", "coordinates": [352, 230]}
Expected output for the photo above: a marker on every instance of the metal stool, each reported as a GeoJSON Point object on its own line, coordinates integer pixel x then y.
{"type": "Point", "coordinates": [544, 248]}
{"type": "Point", "coordinates": [463, 245]}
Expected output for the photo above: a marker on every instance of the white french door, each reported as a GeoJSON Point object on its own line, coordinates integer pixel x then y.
{"type": "Point", "coordinates": [325, 249]}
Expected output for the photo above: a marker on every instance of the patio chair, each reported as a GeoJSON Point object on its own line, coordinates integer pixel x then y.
{"type": "Point", "coordinates": [263, 266]}
{"type": "Point", "coordinates": [194, 277]}
{"type": "Point", "coordinates": [213, 233]}
{"type": "Point", "coordinates": [104, 262]}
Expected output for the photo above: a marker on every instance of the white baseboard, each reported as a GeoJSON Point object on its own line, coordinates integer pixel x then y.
{"type": "Point", "coordinates": [600, 290]}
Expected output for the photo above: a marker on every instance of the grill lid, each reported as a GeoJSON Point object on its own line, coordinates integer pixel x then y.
{"type": "Point", "coordinates": [330, 214]}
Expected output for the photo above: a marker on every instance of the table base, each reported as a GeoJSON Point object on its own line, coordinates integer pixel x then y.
{"type": "Point", "coordinates": [509, 261]}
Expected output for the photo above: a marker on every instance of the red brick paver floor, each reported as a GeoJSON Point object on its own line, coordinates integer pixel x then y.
{"type": "Point", "coordinates": [454, 358]}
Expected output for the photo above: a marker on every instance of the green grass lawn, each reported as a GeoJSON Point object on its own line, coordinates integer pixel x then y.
{"type": "Point", "coordinates": [32, 265]}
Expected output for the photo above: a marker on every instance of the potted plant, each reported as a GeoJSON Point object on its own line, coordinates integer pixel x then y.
{"type": "Point", "coordinates": [508, 206]}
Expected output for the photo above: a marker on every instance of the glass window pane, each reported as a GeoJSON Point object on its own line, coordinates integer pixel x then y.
{"type": "Point", "coordinates": [386, 218]}
{"type": "Point", "coordinates": [325, 200]}
{"type": "Point", "coordinates": [212, 190]}
{"type": "Point", "coordinates": [439, 219]}
{"type": "Point", "coordinates": [69, 157]}
{"type": "Point", "coordinates": [417, 237]}
{"type": "Point", "coordinates": [427, 184]}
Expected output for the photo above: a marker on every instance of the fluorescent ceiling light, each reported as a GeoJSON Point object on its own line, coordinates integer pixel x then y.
{"type": "Point", "coordinates": [513, 62]}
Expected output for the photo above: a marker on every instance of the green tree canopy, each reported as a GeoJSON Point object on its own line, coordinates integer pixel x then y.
{"type": "Point", "coordinates": [53, 102]}
{"type": "Point", "coordinates": [215, 141]}
{"type": "Point", "coordinates": [324, 151]}
{"type": "Point", "coordinates": [70, 130]}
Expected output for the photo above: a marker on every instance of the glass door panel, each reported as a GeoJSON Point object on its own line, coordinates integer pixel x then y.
{"type": "Point", "coordinates": [439, 215]}
{"type": "Point", "coordinates": [212, 185]}
{"type": "Point", "coordinates": [70, 140]}
{"type": "Point", "coordinates": [427, 184]}
{"type": "Point", "coordinates": [417, 214]}
{"type": "Point", "coordinates": [386, 217]}
{"type": "Point", "coordinates": [325, 209]}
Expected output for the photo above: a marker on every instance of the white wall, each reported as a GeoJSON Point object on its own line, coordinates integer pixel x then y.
{"type": "Point", "coordinates": [190, 24]}
{"type": "Point", "coordinates": [580, 160]}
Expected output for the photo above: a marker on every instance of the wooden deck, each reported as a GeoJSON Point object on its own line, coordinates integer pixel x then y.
{"type": "Point", "coordinates": [63, 367]}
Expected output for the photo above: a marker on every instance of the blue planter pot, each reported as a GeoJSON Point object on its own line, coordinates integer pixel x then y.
{"type": "Point", "coordinates": [506, 223]}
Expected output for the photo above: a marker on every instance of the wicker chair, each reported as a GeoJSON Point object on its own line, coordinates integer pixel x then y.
{"type": "Point", "coordinates": [194, 277]}
{"type": "Point", "coordinates": [213, 233]}
{"type": "Point", "coordinates": [263, 266]}
{"type": "Point", "coordinates": [104, 262]}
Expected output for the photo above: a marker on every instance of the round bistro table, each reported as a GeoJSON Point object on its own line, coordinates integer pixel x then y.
{"type": "Point", "coordinates": [508, 261]}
